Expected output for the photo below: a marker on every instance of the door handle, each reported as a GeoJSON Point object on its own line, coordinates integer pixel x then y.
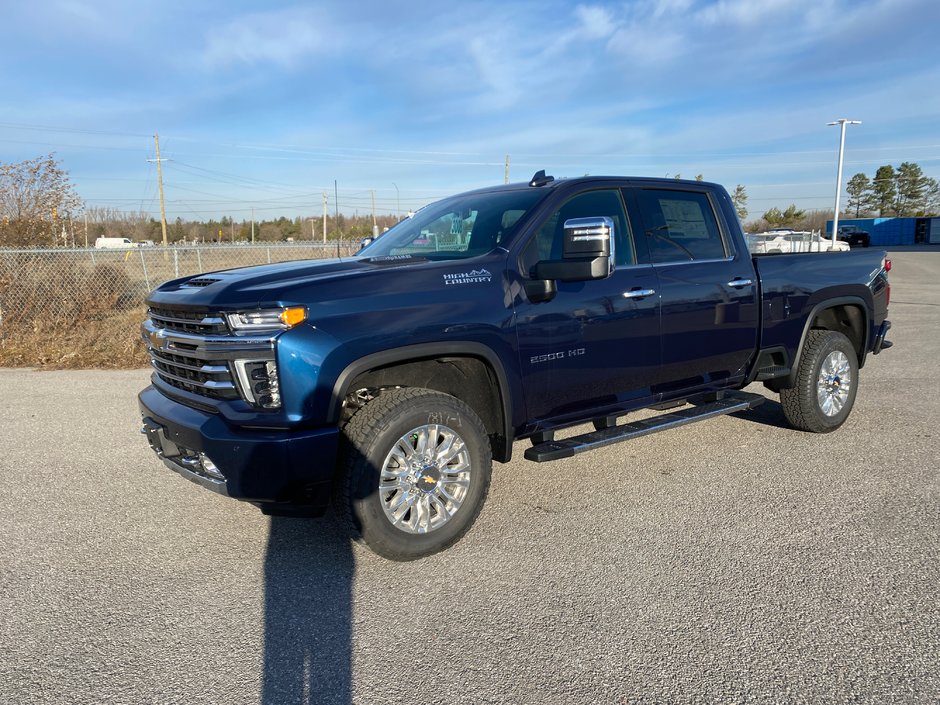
{"type": "Point", "coordinates": [638, 293]}
{"type": "Point", "coordinates": [738, 283]}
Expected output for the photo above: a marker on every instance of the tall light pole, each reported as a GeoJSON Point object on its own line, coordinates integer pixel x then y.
{"type": "Point", "coordinates": [397, 201]}
{"type": "Point", "coordinates": [842, 122]}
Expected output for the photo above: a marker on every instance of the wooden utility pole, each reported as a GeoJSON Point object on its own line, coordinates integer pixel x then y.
{"type": "Point", "coordinates": [156, 140]}
{"type": "Point", "coordinates": [252, 226]}
{"type": "Point", "coordinates": [324, 216]}
{"type": "Point", "coordinates": [507, 170]}
{"type": "Point", "coordinates": [86, 229]}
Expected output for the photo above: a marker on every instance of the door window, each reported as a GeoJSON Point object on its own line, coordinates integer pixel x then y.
{"type": "Point", "coordinates": [680, 226]}
{"type": "Point", "coordinates": [548, 242]}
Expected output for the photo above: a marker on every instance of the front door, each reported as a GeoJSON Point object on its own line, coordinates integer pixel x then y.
{"type": "Point", "coordinates": [595, 346]}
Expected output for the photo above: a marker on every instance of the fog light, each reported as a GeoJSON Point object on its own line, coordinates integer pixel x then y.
{"type": "Point", "coordinates": [209, 468]}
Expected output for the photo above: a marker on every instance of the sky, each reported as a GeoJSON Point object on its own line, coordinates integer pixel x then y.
{"type": "Point", "coordinates": [266, 106]}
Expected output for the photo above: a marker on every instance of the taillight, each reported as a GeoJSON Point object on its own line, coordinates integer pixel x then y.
{"type": "Point", "coordinates": [887, 267]}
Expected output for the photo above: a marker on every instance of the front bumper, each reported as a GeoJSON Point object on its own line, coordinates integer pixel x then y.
{"type": "Point", "coordinates": [260, 466]}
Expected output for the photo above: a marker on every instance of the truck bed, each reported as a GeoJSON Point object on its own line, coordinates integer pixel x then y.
{"type": "Point", "coordinates": [792, 285]}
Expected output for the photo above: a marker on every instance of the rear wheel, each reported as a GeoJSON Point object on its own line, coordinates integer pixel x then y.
{"type": "Point", "coordinates": [415, 472]}
{"type": "Point", "coordinates": [826, 383]}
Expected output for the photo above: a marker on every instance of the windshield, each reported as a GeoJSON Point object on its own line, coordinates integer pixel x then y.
{"type": "Point", "coordinates": [458, 227]}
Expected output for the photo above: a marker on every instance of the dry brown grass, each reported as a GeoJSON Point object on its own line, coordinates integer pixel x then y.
{"type": "Point", "coordinates": [76, 317]}
{"type": "Point", "coordinates": [108, 342]}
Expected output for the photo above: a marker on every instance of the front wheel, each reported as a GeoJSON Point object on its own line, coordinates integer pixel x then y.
{"type": "Point", "coordinates": [826, 383]}
{"type": "Point", "coordinates": [415, 472]}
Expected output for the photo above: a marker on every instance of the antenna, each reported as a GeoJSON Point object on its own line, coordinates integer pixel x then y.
{"type": "Point", "coordinates": [539, 179]}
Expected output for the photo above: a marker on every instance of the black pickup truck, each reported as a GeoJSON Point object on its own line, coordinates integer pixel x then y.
{"type": "Point", "coordinates": [854, 235]}
{"type": "Point", "coordinates": [390, 380]}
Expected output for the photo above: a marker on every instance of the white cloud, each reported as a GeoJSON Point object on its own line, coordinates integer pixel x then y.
{"type": "Point", "coordinates": [595, 22]}
{"type": "Point", "coordinates": [640, 46]}
{"type": "Point", "coordinates": [745, 13]}
{"type": "Point", "coordinates": [284, 38]}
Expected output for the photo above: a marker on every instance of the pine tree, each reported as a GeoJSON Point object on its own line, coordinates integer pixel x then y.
{"type": "Point", "coordinates": [910, 186]}
{"type": "Point", "coordinates": [884, 190]}
{"type": "Point", "coordinates": [739, 199]}
{"type": "Point", "coordinates": [859, 190]}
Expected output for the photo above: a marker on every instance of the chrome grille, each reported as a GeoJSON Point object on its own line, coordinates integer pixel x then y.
{"type": "Point", "coordinates": [211, 378]}
{"type": "Point", "coordinates": [196, 353]}
{"type": "Point", "coordinates": [188, 321]}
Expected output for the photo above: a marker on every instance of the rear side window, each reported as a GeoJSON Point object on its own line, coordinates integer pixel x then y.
{"type": "Point", "coordinates": [680, 226]}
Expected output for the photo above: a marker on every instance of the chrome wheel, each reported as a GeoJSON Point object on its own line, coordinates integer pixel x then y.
{"type": "Point", "coordinates": [834, 383]}
{"type": "Point", "coordinates": [424, 478]}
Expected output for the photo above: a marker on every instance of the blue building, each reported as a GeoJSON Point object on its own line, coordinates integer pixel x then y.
{"type": "Point", "coordinates": [896, 231]}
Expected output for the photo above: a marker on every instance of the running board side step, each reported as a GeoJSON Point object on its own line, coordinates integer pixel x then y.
{"type": "Point", "coordinates": [568, 447]}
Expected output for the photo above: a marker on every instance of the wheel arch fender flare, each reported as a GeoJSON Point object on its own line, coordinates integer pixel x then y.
{"type": "Point", "coordinates": [421, 351]}
{"type": "Point", "coordinates": [857, 301]}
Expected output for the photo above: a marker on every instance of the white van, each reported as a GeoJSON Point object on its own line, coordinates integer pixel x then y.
{"type": "Point", "coordinates": [110, 243]}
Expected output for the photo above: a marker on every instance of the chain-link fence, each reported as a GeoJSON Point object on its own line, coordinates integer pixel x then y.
{"type": "Point", "coordinates": [48, 294]}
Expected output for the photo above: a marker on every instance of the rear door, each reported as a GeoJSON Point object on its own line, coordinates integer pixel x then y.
{"type": "Point", "coordinates": [707, 291]}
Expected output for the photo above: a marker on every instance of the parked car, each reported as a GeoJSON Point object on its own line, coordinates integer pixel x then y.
{"type": "Point", "coordinates": [389, 381]}
{"type": "Point", "coordinates": [854, 236]}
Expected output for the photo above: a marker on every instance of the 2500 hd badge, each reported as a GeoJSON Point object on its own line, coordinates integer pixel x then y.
{"type": "Point", "coordinates": [560, 355]}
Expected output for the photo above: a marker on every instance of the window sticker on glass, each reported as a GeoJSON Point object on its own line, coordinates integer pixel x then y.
{"type": "Point", "coordinates": [685, 217]}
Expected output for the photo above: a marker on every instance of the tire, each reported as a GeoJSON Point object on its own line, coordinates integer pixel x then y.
{"type": "Point", "coordinates": [826, 383]}
{"type": "Point", "coordinates": [407, 510]}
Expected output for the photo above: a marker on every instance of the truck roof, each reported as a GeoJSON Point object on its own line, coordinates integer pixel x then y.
{"type": "Point", "coordinates": [551, 182]}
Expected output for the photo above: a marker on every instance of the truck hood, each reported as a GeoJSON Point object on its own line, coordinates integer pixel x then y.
{"type": "Point", "coordinates": [307, 281]}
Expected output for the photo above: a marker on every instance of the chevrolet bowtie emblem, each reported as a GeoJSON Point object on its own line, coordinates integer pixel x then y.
{"type": "Point", "coordinates": [157, 338]}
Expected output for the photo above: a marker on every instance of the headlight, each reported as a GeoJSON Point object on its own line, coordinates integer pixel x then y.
{"type": "Point", "coordinates": [267, 319]}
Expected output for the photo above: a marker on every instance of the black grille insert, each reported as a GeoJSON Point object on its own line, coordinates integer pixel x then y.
{"type": "Point", "coordinates": [188, 321]}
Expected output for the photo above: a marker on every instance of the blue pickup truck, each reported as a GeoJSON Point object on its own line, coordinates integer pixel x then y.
{"type": "Point", "coordinates": [390, 380]}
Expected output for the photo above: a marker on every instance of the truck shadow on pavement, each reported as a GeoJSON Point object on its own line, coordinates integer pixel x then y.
{"type": "Point", "coordinates": [770, 413]}
{"type": "Point", "coordinates": [309, 570]}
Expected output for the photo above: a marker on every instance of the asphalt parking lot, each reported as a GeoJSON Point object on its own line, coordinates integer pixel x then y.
{"type": "Point", "coordinates": [733, 561]}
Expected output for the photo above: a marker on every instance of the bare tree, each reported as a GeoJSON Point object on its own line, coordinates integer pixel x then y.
{"type": "Point", "coordinates": [36, 200]}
